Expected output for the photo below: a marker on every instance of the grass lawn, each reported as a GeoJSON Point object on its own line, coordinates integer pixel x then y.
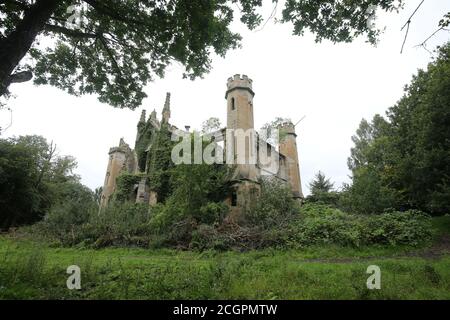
{"type": "Point", "coordinates": [30, 270]}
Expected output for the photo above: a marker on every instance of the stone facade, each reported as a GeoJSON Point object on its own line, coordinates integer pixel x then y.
{"type": "Point", "coordinates": [121, 158]}
{"type": "Point", "coordinates": [252, 156]}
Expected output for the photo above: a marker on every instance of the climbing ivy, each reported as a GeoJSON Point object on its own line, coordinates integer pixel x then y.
{"type": "Point", "coordinates": [146, 133]}
{"type": "Point", "coordinates": [125, 185]}
{"type": "Point", "coordinates": [160, 163]}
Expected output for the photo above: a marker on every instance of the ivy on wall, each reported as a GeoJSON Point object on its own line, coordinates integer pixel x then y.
{"type": "Point", "coordinates": [125, 186]}
{"type": "Point", "coordinates": [160, 163]}
{"type": "Point", "coordinates": [146, 132]}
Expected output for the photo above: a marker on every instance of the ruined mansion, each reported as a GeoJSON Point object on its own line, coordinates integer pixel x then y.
{"type": "Point", "coordinates": [253, 166]}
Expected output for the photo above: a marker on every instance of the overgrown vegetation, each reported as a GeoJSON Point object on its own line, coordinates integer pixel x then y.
{"type": "Point", "coordinates": [35, 180]}
{"type": "Point", "coordinates": [191, 220]}
{"type": "Point", "coordinates": [403, 161]}
{"type": "Point", "coordinates": [159, 163]}
{"type": "Point", "coordinates": [28, 271]}
{"type": "Point", "coordinates": [400, 170]}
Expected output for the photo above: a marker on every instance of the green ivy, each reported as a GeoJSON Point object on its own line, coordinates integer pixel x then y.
{"type": "Point", "coordinates": [160, 162]}
{"type": "Point", "coordinates": [125, 186]}
{"type": "Point", "coordinates": [146, 132]}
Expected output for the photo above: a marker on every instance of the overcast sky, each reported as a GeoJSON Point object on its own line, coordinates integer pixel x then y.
{"type": "Point", "coordinates": [335, 86]}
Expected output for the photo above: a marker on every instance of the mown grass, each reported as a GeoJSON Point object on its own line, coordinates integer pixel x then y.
{"type": "Point", "coordinates": [30, 270]}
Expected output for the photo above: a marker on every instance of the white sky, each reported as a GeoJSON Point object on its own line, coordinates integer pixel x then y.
{"type": "Point", "coordinates": [335, 86]}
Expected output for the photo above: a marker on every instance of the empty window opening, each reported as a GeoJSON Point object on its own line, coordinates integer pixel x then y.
{"type": "Point", "coordinates": [234, 199]}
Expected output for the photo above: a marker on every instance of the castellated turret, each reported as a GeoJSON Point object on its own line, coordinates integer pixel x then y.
{"type": "Point", "coordinates": [288, 147]}
{"type": "Point", "coordinates": [120, 159]}
{"type": "Point", "coordinates": [240, 82]}
{"type": "Point", "coordinates": [241, 142]}
{"type": "Point", "coordinates": [239, 97]}
{"type": "Point", "coordinates": [241, 137]}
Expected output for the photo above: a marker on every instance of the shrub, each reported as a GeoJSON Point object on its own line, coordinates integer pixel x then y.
{"type": "Point", "coordinates": [213, 212]}
{"type": "Point", "coordinates": [411, 227]}
{"type": "Point", "coordinates": [274, 205]}
{"type": "Point", "coordinates": [65, 217]}
{"type": "Point", "coordinates": [324, 225]}
{"type": "Point", "coordinates": [276, 224]}
{"type": "Point", "coordinates": [335, 228]}
{"type": "Point", "coordinates": [319, 210]}
{"type": "Point", "coordinates": [125, 224]}
{"type": "Point", "coordinates": [329, 198]}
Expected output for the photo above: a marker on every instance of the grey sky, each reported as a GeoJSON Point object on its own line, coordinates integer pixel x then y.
{"type": "Point", "coordinates": [333, 85]}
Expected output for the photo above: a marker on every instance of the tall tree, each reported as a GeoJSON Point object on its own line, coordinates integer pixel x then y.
{"type": "Point", "coordinates": [211, 125]}
{"type": "Point", "coordinates": [320, 184]}
{"type": "Point", "coordinates": [32, 179]}
{"type": "Point", "coordinates": [114, 48]}
{"type": "Point", "coordinates": [404, 160]}
{"type": "Point", "coordinates": [421, 137]}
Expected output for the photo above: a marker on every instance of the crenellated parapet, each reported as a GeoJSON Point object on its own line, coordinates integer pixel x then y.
{"type": "Point", "coordinates": [287, 128]}
{"type": "Point", "coordinates": [239, 82]}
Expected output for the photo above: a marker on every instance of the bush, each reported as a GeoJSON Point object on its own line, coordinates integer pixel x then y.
{"type": "Point", "coordinates": [324, 225]}
{"type": "Point", "coordinates": [213, 212]}
{"type": "Point", "coordinates": [64, 219]}
{"type": "Point", "coordinates": [271, 223]}
{"type": "Point", "coordinates": [319, 224]}
{"type": "Point", "coordinates": [125, 224]}
{"type": "Point", "coordinates": [274, 205]}
{"type": "Point", "coordinates": [329, 198]}
{"type": "Point", "coordinates": [319, 210]}
{"type": "Point", "coordinates": [336, 228]}
{"type": "Point", "coordinates": [411, 227]}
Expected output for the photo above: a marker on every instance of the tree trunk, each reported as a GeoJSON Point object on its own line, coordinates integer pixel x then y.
{"type": "Point", "coordinates": [16, 45]}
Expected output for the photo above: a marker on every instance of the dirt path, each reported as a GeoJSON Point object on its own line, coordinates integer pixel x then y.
{"type": "Point", "coordinates": [439, 249]}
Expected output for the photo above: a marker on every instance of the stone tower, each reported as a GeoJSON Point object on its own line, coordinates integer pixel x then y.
{"type": "Point", "coordinates": [241, 136]}
{"type": "Point", "coordinates": [118, 157]}
{"type": "Point", "coordinates": [166, 109]}
{"type": "Point", "coordinates": [288, 147]}
{"type": "Point", "coordinates": [241, 140]}
{"type": "Point", "coordinates": [239, 97]}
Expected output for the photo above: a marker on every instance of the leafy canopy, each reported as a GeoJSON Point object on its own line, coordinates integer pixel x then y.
{"type": "Point", "coordinates": [403, 161]}
{"type": "Point", "coordinates": [115, 48]}
{"type": "Point", "coordinates": [33, 178]}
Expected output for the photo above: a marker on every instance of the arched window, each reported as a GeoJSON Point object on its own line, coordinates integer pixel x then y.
{"type": "Point", "coordinates": [234, 198]}
{"type": "Point", "coordinates": [232, 104]}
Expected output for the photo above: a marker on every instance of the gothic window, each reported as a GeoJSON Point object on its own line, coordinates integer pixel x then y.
{"type": "Point", "coordinates": [232, 104]}
{"type": "Point", "coordinates": [234, 198]}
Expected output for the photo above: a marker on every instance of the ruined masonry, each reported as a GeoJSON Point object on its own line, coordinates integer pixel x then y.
{"type": "Point", "coordinates": [239, 96]}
